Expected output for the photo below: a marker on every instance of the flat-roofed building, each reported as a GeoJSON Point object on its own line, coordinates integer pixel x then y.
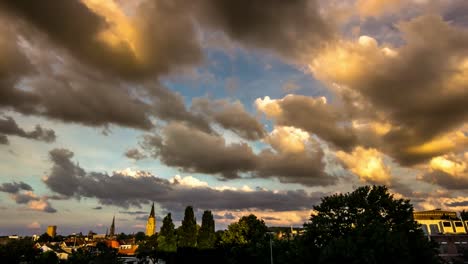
{"type": "Point", "coordinates": [436, 222]}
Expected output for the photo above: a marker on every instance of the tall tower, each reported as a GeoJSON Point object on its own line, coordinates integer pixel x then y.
{"type": "Point", "coordinates": [112, 228]}
{"type": "Point", "coordinates": [52, 230]}
{"type": "Point", "coordinates": [151, 224]}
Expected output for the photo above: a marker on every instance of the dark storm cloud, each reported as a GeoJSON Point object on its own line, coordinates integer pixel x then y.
{"type": "Point", "coordinates": [8, 126]}
{"type": "Point", "coordinates": [135, 154]}
{"type": "Point", "coordinates": [292, 28]}
{"type": "Point", "coordinates": [230, 115]}
{"type": "Point", "coordinates": [75, 27]}
{"type": "Point", "coordinates": [15, 187]}
{"type": "Point", "coordinates": [80, 77]}
{"type": "Point", "coordinates": [84, 85]}
{"type": "Point", "coordinates": [13, 65]}
{"type": "Point", "coordinates": [195, 151]}
{"type": "Point", "coordinates": [113, 190]}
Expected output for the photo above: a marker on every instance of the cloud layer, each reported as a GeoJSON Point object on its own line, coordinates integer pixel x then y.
{"type": "Point", "coordinates": [68, 179]}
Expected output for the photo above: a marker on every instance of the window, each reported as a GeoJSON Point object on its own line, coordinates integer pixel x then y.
{"type": "Point", "coordinates": [434, 229]}
{"type": "Point", "coordinates": [446, 224]}
{"type": "Point", "coordinates": [458, 224]}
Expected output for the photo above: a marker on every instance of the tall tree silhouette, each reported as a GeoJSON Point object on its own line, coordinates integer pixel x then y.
{"type": "Point", "coordinates": [187, 236]}
{"type": "Point", "coordinates": [167, 241]}
{"type": "Point", "coordinates": [206, 234]}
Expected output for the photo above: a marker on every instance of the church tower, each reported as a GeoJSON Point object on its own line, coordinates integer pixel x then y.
{"type": "Point", "coordinates": [112, 228]}
{"type": "Point", "coordinates": [151, 224]}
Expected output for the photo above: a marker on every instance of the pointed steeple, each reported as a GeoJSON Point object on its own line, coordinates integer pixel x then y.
{"type": "Point", "coordinates": [112, 228]}
{"type": "Point", "coordinates": [151, 223]}
{"type": "Point", "coordinates": [152, 211]}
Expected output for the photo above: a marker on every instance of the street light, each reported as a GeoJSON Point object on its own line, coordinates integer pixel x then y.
{"type": "Point", "coordinates": [271, 247]}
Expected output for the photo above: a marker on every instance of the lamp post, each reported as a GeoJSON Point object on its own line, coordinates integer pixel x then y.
{"type": "Point", "coordinates": [271, 248]}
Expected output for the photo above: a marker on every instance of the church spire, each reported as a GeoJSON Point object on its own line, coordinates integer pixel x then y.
{"type": "Point", "coordinates": [112, 228]}
{"type": "Point", "coordinates": [151, 224]}
{"type": "Point", "coordinates": [152, 211]}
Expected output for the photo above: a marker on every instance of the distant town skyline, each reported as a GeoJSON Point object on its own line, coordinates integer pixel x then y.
{"type": "Point", "coordinates": [236, 107]}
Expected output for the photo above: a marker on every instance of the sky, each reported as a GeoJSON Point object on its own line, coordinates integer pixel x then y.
{"type": "Point", "coordinates": [237, 107]}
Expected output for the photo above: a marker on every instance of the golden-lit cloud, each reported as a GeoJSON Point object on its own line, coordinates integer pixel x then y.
{"type": "Point", "coordinates": [450, 165]}
{"type": "Point", "coordinates": [288, 139]}
{"type": "Point", "coordinates": [346, 62]}
{"type": "Point", "coordinates": [450, 142]}
{"type": "Point", "coordinates": [367, 164]}
{"type": "Point", "coordinates": [121, 30]}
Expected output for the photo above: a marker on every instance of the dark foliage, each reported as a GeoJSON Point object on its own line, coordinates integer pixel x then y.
{"type": "Point", "coordinates": [365, 226]}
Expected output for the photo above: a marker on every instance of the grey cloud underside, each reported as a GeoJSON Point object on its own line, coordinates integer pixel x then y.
{"type": "Point", "coordinates": [200, 152]}
{"type": "Point", "coordinates": [8, 126]}
{"type": "Point", "coordinates": [66, 178]}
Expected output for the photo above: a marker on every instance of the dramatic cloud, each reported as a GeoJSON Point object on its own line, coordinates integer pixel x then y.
{"type": "Point", "coordinates": [417, 89]}
{"type": "Point", "coordinates": [367, 164]}
{"type": "Point", "coordinates": [104, 36]}
{"type": "Point", "coordinates": [295, 158]}
{"type": "Point", "coordinates": [231, 116]}
{"type": "Point", "coordinates": [8, 126]}
{"type": "Point", "coordinates": [80, 79]}
{"type": "Point", "coordinates": [291, 28]}
{"type": "Point", "coordinates": [113, 189]}
{"type": "Point", "coordinates": [196, 151]}
{"type": "Point", "coordinates": [311, 114]}
{"type": "Point", "coordinates": [449, 171]}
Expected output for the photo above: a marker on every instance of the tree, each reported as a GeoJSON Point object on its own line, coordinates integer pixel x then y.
{"type": "Point", "coordinates": [17, 251]}
{"type": "Point", "coordinates": [147, 249]}
{"type": "Point", "coordinates": [464, 215]}
{"type": "Point", "coordinates": [48, 257]}
{"type": "Point", "coordinates": [81, 255]}
{"type": "Point", "coordinates": [140, 236]}
{"type": "Point", "coordinates": [206, 234]}
{"type": "Point", "coordinates": [44, 238]}
{"type": "Point", "coordinates": [246, 241]}
{"type": "Point", "coordinates": [365, 226]}
{"type": "Point", "coordinates": [167, 241]}
{"type": "Point", "coordinates": [188, 230]}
